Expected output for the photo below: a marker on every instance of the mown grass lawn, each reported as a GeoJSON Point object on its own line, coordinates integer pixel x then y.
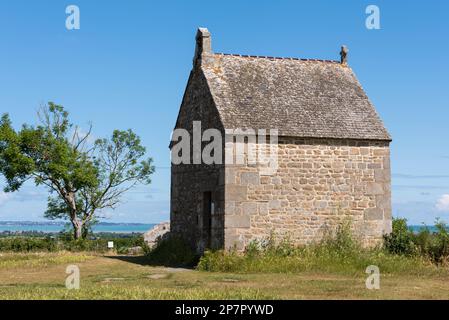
{"type": "Point", "coordinates": [42, 276]}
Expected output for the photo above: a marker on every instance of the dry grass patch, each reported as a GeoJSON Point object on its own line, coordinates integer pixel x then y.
{"type": "Point", "coordinates": [30, 260]}
{"type": "Point", "coordinates": [118, 277]}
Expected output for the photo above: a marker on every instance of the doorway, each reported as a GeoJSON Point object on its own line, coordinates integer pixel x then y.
{"type": "Point", "coordinates": [207, 218]}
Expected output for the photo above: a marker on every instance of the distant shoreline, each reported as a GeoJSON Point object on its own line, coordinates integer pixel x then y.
{"type": "Point", "coordinates": [6, 222]}
{"type": "Point", "coordinates": [107, 227]}
{"type": "Point", "coordinates": [57, 226]}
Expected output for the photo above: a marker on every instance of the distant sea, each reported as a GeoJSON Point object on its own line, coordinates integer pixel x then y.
{"type": "Point", "coordinates": [54, 227]}
{"type": "Point", "coordinates": [422, 227]}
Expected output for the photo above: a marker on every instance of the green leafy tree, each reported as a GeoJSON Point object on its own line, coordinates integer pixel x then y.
{"type": "Point", "coordinates": [83, 177]}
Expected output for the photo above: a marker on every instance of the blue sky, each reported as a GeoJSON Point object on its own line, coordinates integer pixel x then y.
{"type": "Point", "coordinates": [128, 65]}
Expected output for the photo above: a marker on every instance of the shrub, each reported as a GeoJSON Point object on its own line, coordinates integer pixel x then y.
{"type": "Point", "coordinates": [427, 244]}
{"type": "Point", "coordinates": [341, 240]}
{"type": "Point", "coordinates": [121, 245]}
{"type": "Point", "coordinates": [34, 244]}
{"type": "Point", "coordinates": [20, 244]}
{"type": "Point", "coordinates": [85, 245]}
{"type": "Point", "coordinates": [172, 252]}
{"type": "Point", "coordinates": [400, 240]}
{"type": "Point", "coordinates": [223, 261]}
{"type": "Point", "coordinates": [438, 250]}
{"type": "Point", "coordinates": [423, 241]}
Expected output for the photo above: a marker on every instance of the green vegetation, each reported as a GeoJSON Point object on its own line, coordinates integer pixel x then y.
{"type": "Point", "coordinates": [19, 244]}
{"type": "Point", "coordinates": [67, 243]}
{"type": "Point", "coordinates": [40, 259]}
{"type": "Point", "coordinates": [95, 292]}
{"type": "Point", "coordinates": [82, 177]}
{"type": "Point", "coordinates": [429, 245]}
{"type": "Point", "coordinates": [403, 251]}
{"type": "Point", "coordinates": [338, 253]}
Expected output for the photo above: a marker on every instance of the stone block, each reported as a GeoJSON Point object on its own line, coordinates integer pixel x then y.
{"type": "Point", "coordinates": [373, 214]}
{"type": "Point", "coordinates": [364, 151]}
{"type": "Point", "coordinates": [373, 188]}
{"type": "Point", "coordinates": [236, 193]}
{"type": "Point", "coordinates": [249, 178]}
{"type": "Point", "coordinates": [274, 204]}
{"type": "Point", "coordinates": [249, 208]}
{"type": "Point", "coordinates": [321, 204]}
{"type": "Point", "coordinates": [386, 163]}
{"type": "Point", "coordinates": [230, 208]}
{"type": "Point", "coordinates": [238, 221]}
{"type": "Point", "coordinates": [381, 152]}
{"type": "Point", "coordinates": [230, 175]}
{"type": "Point", "coordinates": [383, 202]}
{"type": "Point", "coordinates": [381, 175]}
{"type": "Point", "coordinates": [388, 226]}
{"type": "Point", "coordinates": [263, 208]}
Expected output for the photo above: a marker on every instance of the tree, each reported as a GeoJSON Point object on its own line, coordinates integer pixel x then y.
{"type": "Point", "coordinates": [82, 177]}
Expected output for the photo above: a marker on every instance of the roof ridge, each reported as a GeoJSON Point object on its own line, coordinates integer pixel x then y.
{"type": "Point", "coordinates": [276, 58]}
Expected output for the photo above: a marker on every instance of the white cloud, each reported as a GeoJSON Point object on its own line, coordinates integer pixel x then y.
{"type": "Point", "coordinates": [443, 203]}
{"type": "Point", "coordinates": [4, 197]}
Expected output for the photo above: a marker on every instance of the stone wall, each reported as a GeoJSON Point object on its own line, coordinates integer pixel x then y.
{"type": "Point", "coordinates": [189, 182]}
{"type": "Point", "coordinates": [319, 184]}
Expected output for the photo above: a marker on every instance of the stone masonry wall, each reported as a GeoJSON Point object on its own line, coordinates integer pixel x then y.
{"type": "Point", "coordinates": [319, 184]}
{"type": "Point", "coordinates": [189, 182]}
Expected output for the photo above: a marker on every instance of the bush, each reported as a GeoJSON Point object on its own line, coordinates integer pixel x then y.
{"type": "Point", "coordinates": [341, 240]}
{"type": "Point", "coordinates": [20, 244]}
{"type": "Point", "coordinates": [423, 241]}
{"type": "Point", "coordinates": [438, 247]}
{"type": "Point", "coordinates": [172, 252]}
{"type": "Point", "coordinates": [400, 240]}
{"type": "Point", "coordinates": [427, 244]}
{"type": "Point", "coordinates": [121, 245]}
{"type": "Point", "coordinates": [34, 244]}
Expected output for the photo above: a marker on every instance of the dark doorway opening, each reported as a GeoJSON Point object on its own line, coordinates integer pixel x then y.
{"type": "Point", "coordinates": [207, 218]}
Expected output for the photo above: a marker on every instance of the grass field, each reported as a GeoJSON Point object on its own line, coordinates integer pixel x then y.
{"type": "Point", "coordinates": [42, 276]}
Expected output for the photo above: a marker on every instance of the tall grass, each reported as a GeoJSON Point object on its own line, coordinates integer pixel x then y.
{"type": "Point", "coordinates": [336, 253]}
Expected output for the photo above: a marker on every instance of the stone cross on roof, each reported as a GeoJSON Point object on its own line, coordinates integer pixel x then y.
{"type": "Point", "coordinates": [344, 55]}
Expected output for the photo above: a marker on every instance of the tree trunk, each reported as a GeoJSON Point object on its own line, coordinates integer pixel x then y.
{"type": "Point", "coordinates": [76, 223]}
{"type": "Point", "coordinates": [77, 230]}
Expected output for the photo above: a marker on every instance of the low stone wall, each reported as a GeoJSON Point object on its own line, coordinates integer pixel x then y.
{"type": "Point", "coordinates": [152, 236]}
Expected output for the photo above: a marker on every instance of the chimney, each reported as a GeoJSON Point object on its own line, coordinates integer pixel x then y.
{"type": "Point", "coordinates": [343, 55]}
{"type": "Point", "coordinates": [203, 50]}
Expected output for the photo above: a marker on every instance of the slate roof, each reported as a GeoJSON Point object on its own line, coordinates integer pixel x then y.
{"type": "Point", "coordinates": [299, 97]}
